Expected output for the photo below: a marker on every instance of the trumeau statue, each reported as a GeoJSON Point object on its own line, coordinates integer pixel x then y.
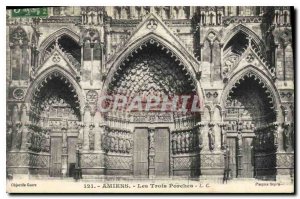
{"type": "Point", "coordinates": [239, 139]}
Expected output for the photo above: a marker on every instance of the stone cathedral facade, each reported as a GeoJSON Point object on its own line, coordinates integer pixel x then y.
{"type": "Point", "coordinates": [237, 60]}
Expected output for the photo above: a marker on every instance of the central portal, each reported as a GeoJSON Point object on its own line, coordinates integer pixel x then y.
{"type": "Point", "coordinates": [151, 127]}
{"type": "Point", "coordinates": [151, 152]}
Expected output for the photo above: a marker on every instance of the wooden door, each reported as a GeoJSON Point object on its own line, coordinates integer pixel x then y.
{"type": "Point", "coordinates": [72, 141]}
{"type": "Point", "coordinates": [56, 152]}
{"type": "Point", "coordinates": [162, 152]}
{"type": "Point", "coordinates": [247, 160]}
{"type": "Point", "coordinates": [140, 167]}
{"type": "Point", "coordinates": [232, 157]}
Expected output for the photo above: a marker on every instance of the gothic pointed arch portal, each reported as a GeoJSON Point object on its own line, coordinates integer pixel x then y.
{"type": "Point", "coordinates": [67, 41]}
{"type": "Point", "coordinates": [55, 118]}
{"type": "Point", "coordinates": [250, 115]}
{"type": "Point", "coordinates": [163, 142]}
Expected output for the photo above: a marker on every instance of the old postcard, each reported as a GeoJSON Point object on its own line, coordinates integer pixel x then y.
{"type": "Point", "coordinates": [149, 99]}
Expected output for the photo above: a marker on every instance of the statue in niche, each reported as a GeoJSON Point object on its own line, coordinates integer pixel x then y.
{"type": "Point", "coordinates": [151, 160]}
{"type": "Point", "coordinates": [18, 138]}
{"type": "Point", "coordinates": [112, 143]}
{"type": "Point", "coordinates": [28, 138]}
{"type": "Point", "coordinates": [47, 144]}
{"type": "Point", "coordinates": [192, 141]}
{"type": "Point", "coordinates": [223, 138]}
{"type": "Point", "coordinates": [287, 132]}
{"type": "Point", "coordinates": [174, 143]}
{"type": "Point", "coordinates": [8, 137]}
{"type": "Point", "coordinates": [103, 141]}
{"type": "Point", "coordinates": [187, 141]}
{"type": "Point", "coordinates": [128, 145]}
{"type": "Point", "coordinates": [121, 144]}
{"type": "Point", "coordinates": [117, 140]}
{"type": "Point", "coordinates": [200, 137]}
{"type": "Point", "coordinates": [211, 138]}
{"type": "Point", "coordinates": [256, 141]}
{"type": "Point", "coordinates": [178, 142]}
{"type": "Point", "coordinates": [32, 140]}
{"type": "Point", "coordinates": [239, 140]}
{"type": "Point", "coordinates": [182, 140]}
{"type": "Point", "coordinates": [223, 134]}
{"type": "Point", "coordinates": [91, 140]}
{"type": "Point", "coordinates": [276, 131]}
{"type": "Point", "coordinates": [35, 141]}
{"type": "Point", "coordinates": [124, 145]}
{"type": "Point", "coordinates": [292, 135]}
{"type": "Point", "coordinates": [151, 139]}
{"type": "Point", "coordinates": [45, 141]}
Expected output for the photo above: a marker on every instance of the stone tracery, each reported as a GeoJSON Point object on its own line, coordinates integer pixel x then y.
{"type": "Point", "coordinates": [193, 145]}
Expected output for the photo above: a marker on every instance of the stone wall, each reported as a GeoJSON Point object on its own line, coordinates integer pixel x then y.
{"type": "Point", "coordinates": [212, 51]}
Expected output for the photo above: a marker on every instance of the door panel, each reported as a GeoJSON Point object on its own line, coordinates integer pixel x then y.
{"type": "Point", "coordinates": [247, 161]}
{"type": "Point", "coordinates": [56, 152]}
{"type": "Point", "coordinates": [232, 157]}
{"type": "Point", "coordinates": [140, 152]}
{"type": "Point", "coordinates": [71, 155]}
{"type": "Point", "coordinates": [162, 152]}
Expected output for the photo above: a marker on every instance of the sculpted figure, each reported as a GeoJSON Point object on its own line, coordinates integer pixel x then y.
{"type": "Point", "coordinates": [187, 141]}
{"type": "Point", "coordinates": [224, 136]}
{"type": "Point", "coordinates": [178, 142]}
{"type": "Point", "coordinates": [174, 143]}
{"type": "Point", "coordinates": [112, 143]}
{"type": "Point", "coordinates": [276, 135]}
{"type": "Point", "coordinates": [182, 140]}
{"type": "Point", "coordinates": [105, 141]}
{"type": "Point", "coordinates": [45, 141]}
{"type": "Point", "coordinates": [18, 138]}
{"type": "Point", "coordinates": [116, 148]}
{"type": "Point", "coordinates": [128, 145]}
{"type": "Point", "coordinates": [28, 138]}
{"type": "Point", "coordinates": [240, 139]}
{"type": "Point", "coordinates": [47, 144]}
{"type": "Point", "coordinates": [292, 135]}
{"type": "Point", "coordinates": [151, 139]}
{"type": "Point", "coordinates": [192, 141]}
{"type": "Point", "coordinates": [200, 137]}
{"type": "Point", "coordinates": [121, 145]}
{"type": "Point", "coordinates": [8, 137]}
{"type": "Point", "coordinates": [287, 135]}
{"type": "Point", "coordinates": [211, 137]}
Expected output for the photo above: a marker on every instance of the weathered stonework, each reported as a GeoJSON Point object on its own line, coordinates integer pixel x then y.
{"type": "Point", "coordinates": [237, 60]}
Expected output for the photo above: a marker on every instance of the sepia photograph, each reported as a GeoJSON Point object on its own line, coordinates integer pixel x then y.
{"type": "Point", "coordinates": [150, 99]}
